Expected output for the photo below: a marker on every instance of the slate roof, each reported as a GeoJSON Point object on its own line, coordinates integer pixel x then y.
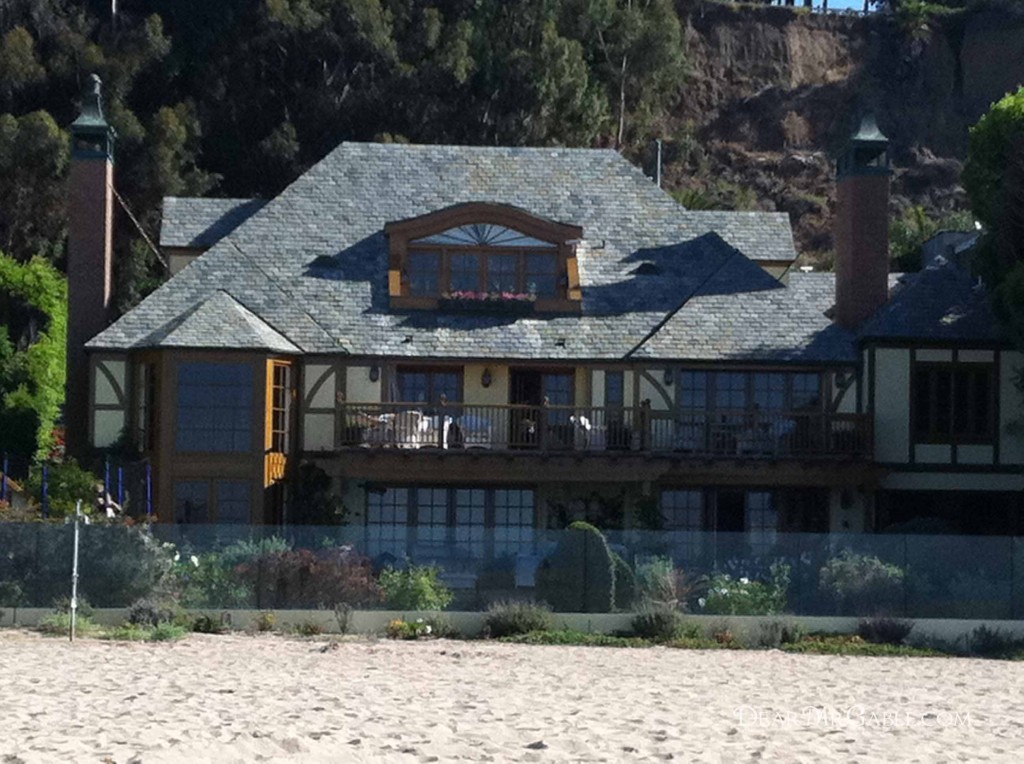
{"type": "Point", "coordinates": [201, 223]}
{"type": "Point", "coordinates": [942, 302]}
{"type": "Point", "coordinates": [658, 281]}
{"type": "Point", "coordinates": [234, 326]}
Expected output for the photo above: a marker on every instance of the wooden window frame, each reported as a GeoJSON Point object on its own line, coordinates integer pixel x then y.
{"type": "Point", "coordinates": [561, 236]}
{"type": "Point", "coordinates": [408, 368]}
{"type": "Point", "coordinates": [934, 436]}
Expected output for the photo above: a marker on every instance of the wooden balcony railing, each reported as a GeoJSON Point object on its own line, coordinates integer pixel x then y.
{"type": "Point", "coordinates": [705, 433]}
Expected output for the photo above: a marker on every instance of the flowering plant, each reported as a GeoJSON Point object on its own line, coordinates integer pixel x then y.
{"type": "Point", "coordinates": [492, 296]}
{"type": "Point", "coordinates": [399, 629]}
{"type": "Point", "coordinates": [741, 596]}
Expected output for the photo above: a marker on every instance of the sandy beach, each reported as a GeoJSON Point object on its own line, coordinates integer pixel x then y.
{"type": "Point", "coordinates": [269, 698]}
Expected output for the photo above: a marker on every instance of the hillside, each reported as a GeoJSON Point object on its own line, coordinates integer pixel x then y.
{"type": "Point", "coordinates": [772, 92]}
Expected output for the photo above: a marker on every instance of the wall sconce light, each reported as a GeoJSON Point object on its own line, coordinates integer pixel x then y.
{"type": "Point", "coordinates": [668, 377]}
{"type": "Point", "coordinates": [486, 378]}
{"type": "Point", "coordinates": [374, 373]}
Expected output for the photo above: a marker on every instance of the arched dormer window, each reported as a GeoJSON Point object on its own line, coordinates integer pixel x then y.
{"type": "Point", "coordinates": [487, 256]}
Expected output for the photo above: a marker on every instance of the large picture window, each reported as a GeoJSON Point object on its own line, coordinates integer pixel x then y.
{"type": "Point", "coordinates": [458, 522]}
{"type": "Point", "coordinates": [214, 412]}
{"type": "Point", "coordinates": [953, 402]}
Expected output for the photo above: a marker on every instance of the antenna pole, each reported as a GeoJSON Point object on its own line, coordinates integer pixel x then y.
{"type": "Point", "coordinates": [658, 171]}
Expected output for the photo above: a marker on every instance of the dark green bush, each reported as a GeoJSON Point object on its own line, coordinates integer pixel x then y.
{"type": "Point", "coordinates": [776, 633]}
{"type": "Point", "coordinates": [579, 576]}
{"type": "Point", "coordinates": [658, 623]}
{"type": "Point", "coordinates": [993, 643]}
{"type": "Point", "coordinates": [625, 584]}
{"type": "Point", "coordinates": [861, 584]}
{"type": "Point", "coordinates": [884, 631]}
{"type": "Point", "coordinates": [503, 619]}
{"type": "Point", "coordinates": [207, 624]}
{"type": "Point", "coordinates": [150, 612]}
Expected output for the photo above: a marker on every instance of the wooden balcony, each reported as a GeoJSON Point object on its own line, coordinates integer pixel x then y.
{"type": "Point", "coordinates": [732, 434]}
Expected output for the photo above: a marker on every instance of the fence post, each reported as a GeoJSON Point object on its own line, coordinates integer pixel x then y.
{"type": "Point", "coordinates": [106, 484]}
{"type": "Point", "coordinates": [46, 490]}
{"type": "Point", "coordinates": [120, 488]}
{"type": "Point", "coordinates": [3, 478]}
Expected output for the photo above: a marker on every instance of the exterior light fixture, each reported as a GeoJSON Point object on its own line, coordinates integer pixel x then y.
{"type": "Point", "coordinates": [374, 373]}
{"type": "Point", "coordinates": [486, 378]}
{"type": "Point", "coordinates": [668, 377]}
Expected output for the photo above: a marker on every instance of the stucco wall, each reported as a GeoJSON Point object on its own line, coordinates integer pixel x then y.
{"type": "Point", "coordinates": [359, 388]}
{"type": "Point", "coordinates": [892, 404]}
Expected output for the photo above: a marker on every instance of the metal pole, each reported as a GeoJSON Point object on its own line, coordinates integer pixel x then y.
{"type": "Point", "coordinates": [106, 484]}
{"type": "Point", "coordinates": [74, 571]}
{"type": "Point", "coordinates": [3, 478]}
{"type": "Point", "coordinates": [120, 488]}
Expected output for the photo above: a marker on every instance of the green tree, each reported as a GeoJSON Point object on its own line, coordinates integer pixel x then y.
{"type": "Point", "coordinates": [32, 362]}
{"type": "Point", "coordinates": [994, 180]}
{"type": "Point", "coordinates": [909, 232]}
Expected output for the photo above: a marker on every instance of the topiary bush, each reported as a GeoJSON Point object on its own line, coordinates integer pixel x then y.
{"type": "Point", "coordinates": [861, 584]}
{"type": "Point", "coordinates": [510, 617]}
{"type": "Point", "coordinates": [579, 576]}
{"type": "Point", "coordinates": [417, 587]}
{"type": "Point", "coordinates": [625, 584]}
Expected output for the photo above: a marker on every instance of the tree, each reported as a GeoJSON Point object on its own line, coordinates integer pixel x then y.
{"type": "Point", "coordinates": [32, 359]}
{"type": "Point", "coordinates": [994, 180]}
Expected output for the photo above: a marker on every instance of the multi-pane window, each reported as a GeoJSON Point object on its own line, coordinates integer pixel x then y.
{"type": "Point", "coordinates": [428, 386]}
{"type": "Point", "coordinates": [541, 275]}
{"type": "Point", "coordinates": [280, 407]}
{"type": "Point", "coordinates": [953, 403]}
{"type": "Point", "coordinates": [387, 522]}
{"type": "Point", "coordinates": [424, 272]}
{"type": "Point", "coordinates": [682, 510]}
{"type": "Point", "coordinates": [191, 501]}
{"type": "Point", "coordinates": [431, 515]}
{"type": "Point", "coordinates": [806, 393]}
{"type": "Point", "coordinates": [432, 272]}
{"type": "Point", "coordinates": [460, 521]}
{"type": "Point", "coordinates": [233, 501]}
{"type": "Point", "coordinates": [762, 519]}
{"type": "Point", "coordinates": [513, 520]}
{"type": "Point", "coordinates": [464, 272]}
{"type": "Point", "coordinates": [614, 389]}
{"type": "Point", "coordinates": [769, 391]}
{"type": "Point", "coordinates": [470, 520]}
{"type": "Point", "coordinates": [731, 390]}
{"type": "Point", "coordinates": [214, 410]}
{"type": "Point", "coordinates": [693, 389]}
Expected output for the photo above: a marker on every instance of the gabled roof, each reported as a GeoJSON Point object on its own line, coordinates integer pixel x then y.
{"type": "Point", "coordinates": [940, 303]}
{"type": "Point", "coordinates": [221, 322]}
{"type": "Point", "coordinates": [313, 263]}
{"type": "Point", "coordinates": [201, 223]}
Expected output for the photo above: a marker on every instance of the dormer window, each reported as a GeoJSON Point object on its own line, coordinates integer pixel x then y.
{"type": "Point", "coordinates": [487, 254]}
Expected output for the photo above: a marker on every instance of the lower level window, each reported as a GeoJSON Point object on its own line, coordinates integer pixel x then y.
{"type": "Point", "coordinates": [231, 501]}
{"type": "Point", "coordinates": [458, 522]}
{"type": "Point", "coordinates": [954, 402]}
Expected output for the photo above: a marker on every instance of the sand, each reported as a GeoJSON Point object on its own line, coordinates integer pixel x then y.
{"type": "Point", "coordinates": [268, 698]}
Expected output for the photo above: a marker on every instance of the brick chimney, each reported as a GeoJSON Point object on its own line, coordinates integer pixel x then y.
{"type": "Point", "coordinates": [862, 225]}
{"type": "Point", "coordinates": [90, 253]}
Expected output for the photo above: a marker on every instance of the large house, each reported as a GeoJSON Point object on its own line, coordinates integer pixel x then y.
{"type": "Point", "coordinates": [474, 338]}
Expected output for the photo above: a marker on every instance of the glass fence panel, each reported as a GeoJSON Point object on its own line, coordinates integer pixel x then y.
{"type": "Point", "coordinates": [237, 566]}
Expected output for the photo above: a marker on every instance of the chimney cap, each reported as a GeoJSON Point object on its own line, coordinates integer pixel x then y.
{"type": "Point", "coordinates": [91, 116]}
{"type": "Point", "coordinates": [868, 131]}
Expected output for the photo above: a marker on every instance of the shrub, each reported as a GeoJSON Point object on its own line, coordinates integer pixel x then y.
{"type": "Point", "coordinates": [569, 637]}
{"type": "Point", "coordinates": [67, 484]}
{"type": "Point", "coordinates": [510, 617]}
{"type": "Point", "coordinates": [659, 582]}
{"type": "Point", "coordinates": [265, 621]}
{"type": "Point", "coordinates": [309, 629]}
{"type": "Point", "coordinates": [993, 643]}
{"type": "Point", "coordinates": [62, 605]}
{"type": "Point", "coordinates": [884, 631]}
{"type": "Point", "coordinates": [861, 584]}
{"type": "Point", "coordinates": [659, 623]}
{"type": "Point", "coordinates": [741, 596]}
{"type": "Point", "coordinates": [59, 624]}
{"type": "Point", "coordinates": [246, 550]}
{"type": "Point", "coordinates": [343, 616]}
{"type": "Point", "coordinates": [441, 626]}
{"type": "Point", "coordinates": [772, 634]}
{"type": "Point", "coordinates": [165, 632]}
{"type": "Point", "coordinates": [579, 576]}
{"type": "Point", "coordinates": [304, 578]}
{"type": "Point", "coordinates": [400, 629]}
{"type": "Point", "coordinates": [416, 587]}
{"type": "Point", "coordinates": [150, 612]}
{"type": "Point", "coordinates": [205, 582]}
{"type": "Point", "coordinates": [207, 624]}
{"type": "Point", "coordinates": [625, 583]}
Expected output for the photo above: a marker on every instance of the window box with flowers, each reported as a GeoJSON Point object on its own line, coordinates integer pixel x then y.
{"type": "Point", "coordinates": [502, 303]}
